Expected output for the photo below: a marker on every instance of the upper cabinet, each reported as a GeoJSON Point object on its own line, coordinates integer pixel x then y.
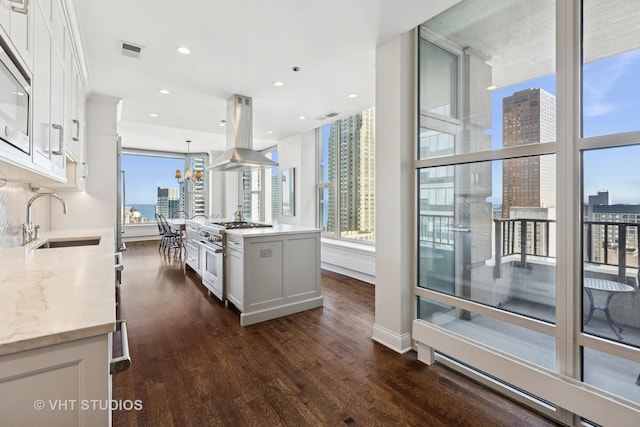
{"type": "Point", "coordinates": [16, 21]}
{"type": "Point", "coordinates": [40, 40]}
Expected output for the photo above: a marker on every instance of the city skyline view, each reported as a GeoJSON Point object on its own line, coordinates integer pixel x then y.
{"type": "Point", "coordinates": [149, 181]}
{"type": "Point", "coordinates": [145, 174]}
{"type": "Point", "coordinates": [609, 106]}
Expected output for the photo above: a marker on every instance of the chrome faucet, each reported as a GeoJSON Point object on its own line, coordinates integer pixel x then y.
{"type": "Point", "coordinates": [30, 232]}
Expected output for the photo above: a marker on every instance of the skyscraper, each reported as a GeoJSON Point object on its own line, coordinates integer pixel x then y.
{"type": "Point", "coordinates": [351, 160]}
{"type": "Point", "coordinates": [194, 191]}
{"type": "Point", "coordinates": [168, 201]}
{"type": "Point", "coordinates": [528, 118]}
{"type": "Point", "coordinates": [162, 205]}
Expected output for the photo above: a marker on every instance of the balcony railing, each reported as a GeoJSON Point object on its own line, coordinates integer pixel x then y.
{"type": "Point", "coordinates": [521, 236]}
{"type": "Point", "coordinates": [607, 243]}
{"type": "Point", "coordinates": [612, 243]}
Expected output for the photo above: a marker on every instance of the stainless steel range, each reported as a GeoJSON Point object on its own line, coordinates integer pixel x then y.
{"type": "Point", "coordinates": [212, 243]}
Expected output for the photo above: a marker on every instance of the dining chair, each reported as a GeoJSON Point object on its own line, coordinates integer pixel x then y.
{"type": "Point", "coordinates": [199, 216]}
{"type": "Point", "coordinates": [171, 239]}
{"type": "Point", "coordinates": [161, 231]}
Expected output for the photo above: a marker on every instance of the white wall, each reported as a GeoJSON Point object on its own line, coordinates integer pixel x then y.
{"type": "Point", "coordinates": [290, 153]}
{"type": "Point", "coordinates": [97, 207]}
{"type": "Point", "coordinates": [395, 129]}
{"type": "Point", "coordinates": [351, 259]}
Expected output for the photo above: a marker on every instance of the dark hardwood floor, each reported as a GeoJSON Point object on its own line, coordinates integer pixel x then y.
{"type": "Point", "coordinates": [194, 365]}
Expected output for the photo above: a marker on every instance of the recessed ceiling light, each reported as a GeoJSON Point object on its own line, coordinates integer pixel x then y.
{"type": "Point", "coordinates": [353, 95]}
{"type": "Point", "coordinates": [184, 50]}
{"type": "Point", "coordinates": [269, 132]}
{"type": "Point", "coordinates": [164, 91]}
{"type": "Point", "coordinates": [154, 115]}
{"type": "Point", "coordinates": [278, 83]}
{"type": "Point", "coordinates": [302, 118]}
{"type": "Point", "coordinates": [223, 123]}
{"type": "Point", "coordinates": [492, 87]}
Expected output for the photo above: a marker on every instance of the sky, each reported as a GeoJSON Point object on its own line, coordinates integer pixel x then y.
{"type": "Point", "coordinates": [144, 174]}
{"type": "Point", "coordinates": [611, 92]}
{"type": "Point", "coordinates": [611, 104]}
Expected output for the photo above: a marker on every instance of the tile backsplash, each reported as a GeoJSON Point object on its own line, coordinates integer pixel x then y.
{"type": "Point", "coordinates": [13, 212]}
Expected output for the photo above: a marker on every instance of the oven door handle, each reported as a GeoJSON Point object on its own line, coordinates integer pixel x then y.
{"type": "Point", "coordinates": [208, 247]}
{"type": "Point", "coordinates": [122, 363]}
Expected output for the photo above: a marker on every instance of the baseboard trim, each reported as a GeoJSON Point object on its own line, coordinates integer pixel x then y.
{"type": "Point", "coordinates": [400, 343]}
{"type": "Point", "coordinates": [364, 277]}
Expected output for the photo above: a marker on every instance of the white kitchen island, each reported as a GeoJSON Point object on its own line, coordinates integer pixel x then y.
{"type": "Point", "coordinates": [273, 271]}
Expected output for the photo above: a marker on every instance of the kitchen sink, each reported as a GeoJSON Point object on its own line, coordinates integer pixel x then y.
{"type": "Point", "coordinates": [69, 242]}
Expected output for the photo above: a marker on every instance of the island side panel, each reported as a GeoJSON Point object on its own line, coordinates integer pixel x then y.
{"type": "Point", "coordinates": [303, 266]}
{"type": "Point", "coordinates": [265, 272]}
{"type": "Point", "coordinates": [281, 275]}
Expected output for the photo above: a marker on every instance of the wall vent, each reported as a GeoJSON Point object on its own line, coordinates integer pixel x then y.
{"type": "Point", "coordinates": [131, 50]}
{"type": "Point", "coordinates": [327, 116]}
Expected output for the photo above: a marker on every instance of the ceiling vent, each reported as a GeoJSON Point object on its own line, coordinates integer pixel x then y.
{"type": "Point", "coordinates": [327, 116]}
{"type": "Point", "coordinates": [131, 50]}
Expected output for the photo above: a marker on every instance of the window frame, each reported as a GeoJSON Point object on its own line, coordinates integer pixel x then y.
{"type": "Point", "coordinates": [568, 148]}
{"type": "Point", "coordinates": [262, 191]}
{"type": "Point", "coordinates": [334, 185]}
{"type": "Point", "coordinates": [174, 155]}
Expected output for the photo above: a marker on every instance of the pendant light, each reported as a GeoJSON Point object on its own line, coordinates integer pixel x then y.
{"type": "Point", "coordinates": [187, 173]}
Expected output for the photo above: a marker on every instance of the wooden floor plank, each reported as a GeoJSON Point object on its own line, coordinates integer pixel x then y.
{"type": "Point", "coordinates": [193, 364]}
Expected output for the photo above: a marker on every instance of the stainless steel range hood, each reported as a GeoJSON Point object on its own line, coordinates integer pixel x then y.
{"type": "Point", "coordinates": [240, 155]}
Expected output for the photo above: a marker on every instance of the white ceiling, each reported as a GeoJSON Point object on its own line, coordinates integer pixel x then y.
{"type": "Point", "coordinates": [242, 47]}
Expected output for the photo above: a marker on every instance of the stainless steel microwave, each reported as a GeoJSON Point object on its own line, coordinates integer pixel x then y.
{"type": "Point", "coordinates": [15, 91]}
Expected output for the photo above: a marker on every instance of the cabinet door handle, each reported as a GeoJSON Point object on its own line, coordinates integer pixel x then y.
{"type": "Point", "coordinates": [24, 9]}
{"type": "Point", "coordinates": [77, 123]}
{"type": "Point", "coordinates": [60, 150]}
{"type": "Point", "coordinates": [123, 362]}
{"type": "Point", "coordinates": [86, 170]}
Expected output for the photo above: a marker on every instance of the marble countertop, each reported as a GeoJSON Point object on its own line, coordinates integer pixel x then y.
{"type": "Point", "coordinates": [54, 295]}
{"type": "Point", "coordinates": [273, 230]}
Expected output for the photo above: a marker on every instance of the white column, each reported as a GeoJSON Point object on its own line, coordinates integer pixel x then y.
{"type": "Point", "coordinates": [97, 206]}
{"type": "Point", "coordinates": [395, 139]}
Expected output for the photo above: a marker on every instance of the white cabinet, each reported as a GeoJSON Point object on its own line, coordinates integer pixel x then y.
{"type": "Point", "coordinates": [192, 256]}
{"type": "Point", "coordinates": [43, 45]}
{"type": "Point", "coordinates": [48, 94]}
{"type": "Point", "coordinates": [58, 127]}
{"type": "Point", "coordinates": [41, 92]}
{"type": "Point", "coordinates": [235, 271]}
{"type": "Point", "coordinates": [57, 130]}
{"type": "Point", "coordinates": [71, 122]}
{"type": "Point", "coordinates": [56, 385]}
{"type": "Point", "coordinates": [5, 15]}
{"type": "Point", "coordinates": [273, 274]}
{"type": "Point", "coordinates": [16, 21]}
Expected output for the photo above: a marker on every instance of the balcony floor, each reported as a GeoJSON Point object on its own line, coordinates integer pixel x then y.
{"type": "Point", "coordinates": [604, 371]}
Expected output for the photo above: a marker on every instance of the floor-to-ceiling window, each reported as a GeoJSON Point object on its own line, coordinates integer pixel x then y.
{"type": "Point", "coordinates": [259, 191]}
{"type": "Point", "coordinates": [346, 178]}
{"type": "Point", "coordinates": [610, 155]}
{"type": "Point", "coordinates": [151, 186]}
{"type": "Point", "coordinates": [501, 229]}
